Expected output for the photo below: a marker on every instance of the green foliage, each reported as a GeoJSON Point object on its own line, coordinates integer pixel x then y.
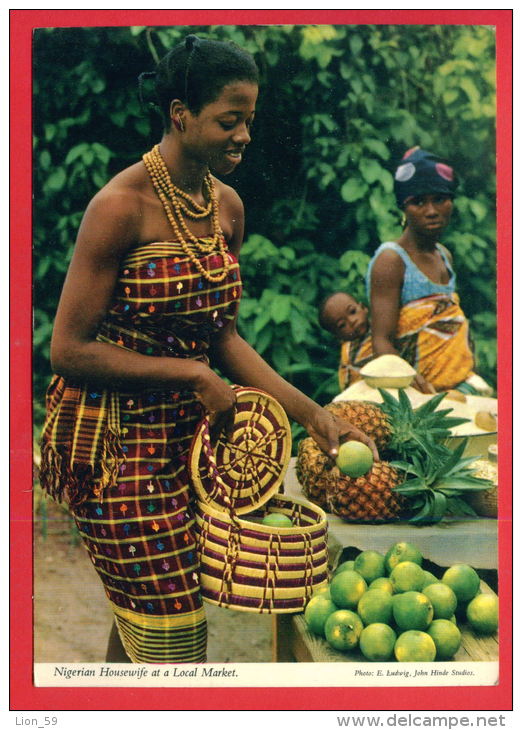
{"type": "Point", "coordinates": [338, 107]}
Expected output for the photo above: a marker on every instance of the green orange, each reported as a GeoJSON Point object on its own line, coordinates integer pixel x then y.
{"type": "Point", "coordinates": [354, 458]}
{"type": "Point", "coordinates": [482, 613]}
{"type": "Point", "coordinates": [370, 564]}
{"type": "Point", "coordinates": [412, 610]}
{"type": "Point", "coordinates": [277, 519]}
{"type": "Point", "coordinates": [384, 584]}
{"type": "Point", "coordinates": [402, 551]}
{"type": "Point", "coordinates": [342, 629]}
{"type": "Point", "coordinates": [415, 646]}
{"type": "Point", "coordinates": [446, 636]}
{"type": "Point", "coordinates": [375, 606]}
{"type": "Point", "coordinates": [463, 580]}
{"type": "Point", "coordinates": [443, 599]}
{"type": "Point", "coordinates": [377, 641]}
{"type": "Point", "coordinates": [347, 565]}
{"type": "Point", "coordinates": [347, 588]}
{"type": "Point", "coordinates": [407, 576]}
{"type": "Point", "coordinates": [429, 578]}
{"type": "Point", "coordinates": [317, 610]}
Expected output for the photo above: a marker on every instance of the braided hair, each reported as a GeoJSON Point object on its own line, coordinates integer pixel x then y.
{"type": "Point", "coordinates": [196, 71]}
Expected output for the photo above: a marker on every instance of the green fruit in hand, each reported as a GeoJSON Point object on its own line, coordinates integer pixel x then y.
{"type": "Point", "coordinates": [277, 519]}
{"type": "Point", "coordinates": [354, 458]}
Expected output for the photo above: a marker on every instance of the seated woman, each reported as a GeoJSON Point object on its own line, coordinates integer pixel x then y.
{"type": "Point", "coordinates": [414, 306]}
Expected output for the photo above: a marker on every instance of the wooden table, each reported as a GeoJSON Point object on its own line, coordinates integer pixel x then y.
{"type": "Point", "coordinates": [472, 541]}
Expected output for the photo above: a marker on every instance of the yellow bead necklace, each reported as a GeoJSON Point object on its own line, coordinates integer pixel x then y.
{"type": "Point", "coordinates": [177, 202]}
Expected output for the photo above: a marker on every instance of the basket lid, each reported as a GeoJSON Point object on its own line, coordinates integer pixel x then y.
{"type": "Point", "coordinates": [243, 469]}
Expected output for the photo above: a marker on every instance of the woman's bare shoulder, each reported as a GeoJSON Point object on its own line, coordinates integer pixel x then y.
{"type": "Point", "coordinates": [113, 216]}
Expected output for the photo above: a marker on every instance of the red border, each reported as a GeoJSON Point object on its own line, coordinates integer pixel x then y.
{"type": "Point", "coordinates": [24, 696]}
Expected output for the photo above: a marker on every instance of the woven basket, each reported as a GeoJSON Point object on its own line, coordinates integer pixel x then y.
{"type": "Point", "coordinates": [253, 567]}
{"type": "Point", "coordinates": [245, 565]}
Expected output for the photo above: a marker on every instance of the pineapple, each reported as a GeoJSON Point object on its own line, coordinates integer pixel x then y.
{"type": "Point", "coordinates": [369, 498]}
{"type": "Point", "coordinates": [440, 478]}
{"type": "Point", "coordinates": [366, 416]}
{"type": "Point", "coordinates": [399, 431]}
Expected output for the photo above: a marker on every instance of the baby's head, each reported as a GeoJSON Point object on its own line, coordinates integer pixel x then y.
{"type": "Point", "coordinates": [343, 316]}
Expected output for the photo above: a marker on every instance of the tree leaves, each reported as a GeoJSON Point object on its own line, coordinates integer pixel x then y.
{"type": "Point", "coordinates": [338, 106]}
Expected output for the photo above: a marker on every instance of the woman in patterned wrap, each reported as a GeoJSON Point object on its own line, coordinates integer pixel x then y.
{"type": "Point", "coordinates": [414, 307]}
{"type": "Point", "coordinates": [147, 313]}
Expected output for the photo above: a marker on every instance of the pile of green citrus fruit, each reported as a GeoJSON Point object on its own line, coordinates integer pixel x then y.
{"type": "Point", "coordinates": [391, 608]}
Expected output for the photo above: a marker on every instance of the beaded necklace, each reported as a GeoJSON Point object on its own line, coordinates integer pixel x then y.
{"type": "Point", "coordinates": [177, 202]}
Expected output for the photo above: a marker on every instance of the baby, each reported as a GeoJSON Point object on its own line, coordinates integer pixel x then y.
{"type": "Point", "coordinates": [343, 316]}
{"type": "Point", "coordinates": [347, 320]}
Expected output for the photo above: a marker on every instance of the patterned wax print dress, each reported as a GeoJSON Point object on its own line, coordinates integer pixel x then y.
{"type": "Point", "coordinates": [121, 458]}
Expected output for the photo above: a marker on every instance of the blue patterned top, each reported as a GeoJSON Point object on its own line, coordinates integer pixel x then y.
{"type": "Point", "coordinates": [415, 284]}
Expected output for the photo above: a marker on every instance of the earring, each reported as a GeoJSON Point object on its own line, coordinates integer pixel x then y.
{"type": "Point", "coordinates": [403, 220]}
{"type": "Point", "coordinates": [178, 123]}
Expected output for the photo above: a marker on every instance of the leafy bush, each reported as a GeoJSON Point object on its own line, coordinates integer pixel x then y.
{"type": "Point", "coordinates": [338, 107]}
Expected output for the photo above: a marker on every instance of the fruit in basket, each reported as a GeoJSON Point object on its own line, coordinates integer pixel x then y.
{"type": "Point", "coordinates": [375, 606]}
{"type": "Point", "coordinates": [482, 613]}
{"type": "Point", "coordinates": [446, 637]}
{"type": "Point", "coordinates": [354, 458]}
{"type": "Point", "coordinates": [412, 610]}
{"type": "Point", "coordinates": [277, 519]}
{"type": "Point", "coordinates": [376, 642]}
{"type": "Point", "coordinates": [443, 600]}
{"type": "Point", "coordinates": [415, 646]}
{"type": "Point", "coordinates": [317, 610]}
{"type": "Point", "coordinates": [407, 576]}
{"type": "Point", "coordinates": [463, 580]}
{"type": "Point", "coordinates": [342, 629]}
{"type": "Point", "coordinates": [369, 498]}
{"type": "Point", "coordinates": [347, 588]}
{"type": "Point", "coordinates": [399, 552]}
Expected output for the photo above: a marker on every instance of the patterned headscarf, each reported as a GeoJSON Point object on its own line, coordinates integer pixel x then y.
{"type": "Point", "coordinates": [423, 173]}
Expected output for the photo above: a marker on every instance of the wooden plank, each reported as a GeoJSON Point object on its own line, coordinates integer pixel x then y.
{"type": "Point", "coordinates": [306, 647]}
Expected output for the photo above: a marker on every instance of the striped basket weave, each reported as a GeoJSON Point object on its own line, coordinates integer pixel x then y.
{"type": "Point", "coordinates": [245, 565]}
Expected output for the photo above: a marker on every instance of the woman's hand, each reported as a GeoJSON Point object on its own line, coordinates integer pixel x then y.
{"type": "Point", "coordinates": [422, 384]}
{"type": "Point", "coordinates": [218, 399]}
{"type": "Point", "coordinates": [329, 431]}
